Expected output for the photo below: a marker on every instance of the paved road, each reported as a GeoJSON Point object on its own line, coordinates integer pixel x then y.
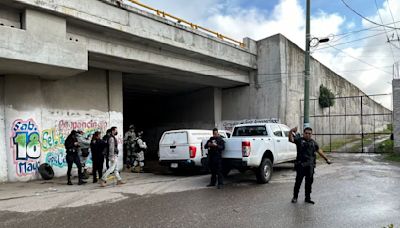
{"type": "Point", "coordinates": [358, 190]}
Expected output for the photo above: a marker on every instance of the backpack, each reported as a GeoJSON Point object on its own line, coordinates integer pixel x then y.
{"type": "Point", "coordinates": [137, 147]}
{"type": "Point", "coordinates": [106, 151]}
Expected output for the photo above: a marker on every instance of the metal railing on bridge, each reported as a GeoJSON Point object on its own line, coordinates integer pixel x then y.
{"type": "Point", "coordinates": [182, 21]}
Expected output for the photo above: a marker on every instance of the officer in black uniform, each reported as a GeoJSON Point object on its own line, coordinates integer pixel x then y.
{"type": "Point", "coordinates": [305, 161]}
{"type": "Point", "coordinates": [71, 146]}
{"type": "Point", "coordinates": [215, 146]}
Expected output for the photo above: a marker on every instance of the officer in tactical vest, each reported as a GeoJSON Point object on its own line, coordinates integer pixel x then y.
{"type": "Point", "coordinates": [305, 161]}
{"type": "Point", "coordinates": [215, 146]}
{"type": "Point", "coordinates": [72, 146]}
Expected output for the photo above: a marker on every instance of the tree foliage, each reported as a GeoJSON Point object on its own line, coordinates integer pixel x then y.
{"type": "Point", "coordinates": [326, 97]}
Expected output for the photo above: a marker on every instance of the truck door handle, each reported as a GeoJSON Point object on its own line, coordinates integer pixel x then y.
{"type": "Point", "coordinates": [172, 147]}
{"type": "Point", "coordinates": [278, 140]}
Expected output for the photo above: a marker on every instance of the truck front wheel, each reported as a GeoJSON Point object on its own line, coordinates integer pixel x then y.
{"type": "Point", "coordinates": [264, 172]}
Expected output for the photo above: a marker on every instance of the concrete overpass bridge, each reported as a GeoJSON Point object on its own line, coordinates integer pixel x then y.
{"type": "Point", "coordinates": [65, 63]}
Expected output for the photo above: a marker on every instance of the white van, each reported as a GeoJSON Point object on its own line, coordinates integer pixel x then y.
{"type": "Point", "coordinates": [182, 148]}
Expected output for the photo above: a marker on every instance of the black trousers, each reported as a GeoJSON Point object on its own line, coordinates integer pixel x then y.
{"type": "Point", "coordinates": [71, 159]}
{"type": "Point", "coordinates": [215, 165]}
{"type": "Point", "coordinates": [107, 162]}
{"type": "Point", "coordinates": [97, 167]}
{"type": "Point", "coordinates": [306, 172]}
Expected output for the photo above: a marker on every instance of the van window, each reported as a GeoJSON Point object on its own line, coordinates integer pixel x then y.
{"type": "Point", "coordinates": [276, 130]}
{"type": "Point", "coordinates": [175, 138]}
{"type": "Point", "coordinates": [250, 131]}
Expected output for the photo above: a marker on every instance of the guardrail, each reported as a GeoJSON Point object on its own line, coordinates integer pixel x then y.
{"type": "Point", "coordinates": [182, 21]}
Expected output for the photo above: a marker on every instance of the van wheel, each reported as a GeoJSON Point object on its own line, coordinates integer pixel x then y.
{"type": "Point", "coordinates": [264, 172]}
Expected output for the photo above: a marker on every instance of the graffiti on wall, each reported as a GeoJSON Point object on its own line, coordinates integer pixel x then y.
{"type": "Point", "coordinates": [52, 140]}
{"type": "Point", "coordinates": [29, 144]}
{"type": "Point", "coordinates": [52, 144]}
{"type": "Point", "coordinates": [88, 127]}
{"type": "Point", "coordinates": [25, 145]}
{"type": "Point", "coordinates": [56, 158]}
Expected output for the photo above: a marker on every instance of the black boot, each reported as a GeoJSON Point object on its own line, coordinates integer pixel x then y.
{"type": "Point", "coordinates": [308, 200]}
{"type": "Point", "coordinates": [85, 174]}
{"type": "Point", "coordinates": [69, 181]}
{"type": "Point", "coordinates": [81, 181]}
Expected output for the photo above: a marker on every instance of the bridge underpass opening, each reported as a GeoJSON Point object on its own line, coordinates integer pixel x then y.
{"type": "Point", "coordinates": [157, 103]}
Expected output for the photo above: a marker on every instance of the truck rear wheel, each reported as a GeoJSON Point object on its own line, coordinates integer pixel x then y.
{"type": "Point", "coordinates": [264, 172]}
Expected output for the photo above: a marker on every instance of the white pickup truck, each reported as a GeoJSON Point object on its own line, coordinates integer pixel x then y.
{"type": "Point", "coordinates": [258, 147]}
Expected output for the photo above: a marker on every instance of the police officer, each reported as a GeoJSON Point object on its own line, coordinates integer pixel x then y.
{"type": "Point", "coordinates": [215, 146]}
{"type": "Point", "coordinates": [71, 146]}
{"type": "Point", "coordinates": [305, 161]}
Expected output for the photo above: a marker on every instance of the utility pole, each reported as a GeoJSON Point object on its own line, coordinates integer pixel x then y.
{"type": "Point", "coordinates": [307, 71]}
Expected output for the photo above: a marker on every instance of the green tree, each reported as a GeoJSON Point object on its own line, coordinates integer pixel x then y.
{"type": "Point", "coordinates": [326, 97]}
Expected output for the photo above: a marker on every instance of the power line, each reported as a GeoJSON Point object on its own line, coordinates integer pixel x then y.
{"type": "Point", "coordinates": [391, 14]}
{"type": "Point", "coordinates": [365, 18]}
{"type": "Point", "coordinates": [360, 60]}
{"type": "Point", "coordinates": [367, 49]}
{"type": "Point", "coordinates": [362, 30]}
{"type": "Point", "coordinates": [391, 49]}
{"type": "Point", "coordinates": [351, 41]}
{"type": "Point", "coordinates": [366, 69]}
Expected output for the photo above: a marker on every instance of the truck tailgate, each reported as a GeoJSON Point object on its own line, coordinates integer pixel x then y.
{"type": "Point", "coordinates": [233, 148]}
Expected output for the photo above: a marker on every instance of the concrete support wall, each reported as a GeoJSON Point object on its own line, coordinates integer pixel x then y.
{"type": "Point", "coordinates": [293, 85]}
{"type": "Point", "coordinates": [396, 115]}
{"type": "Point", "coordinates": [263, 97]}
{"type": "Point", "coordinates": [39, 115]}
{"type": "Point", "coordinates": [278, 87]}
{"type": "Point", "coordinates": [3, 151]}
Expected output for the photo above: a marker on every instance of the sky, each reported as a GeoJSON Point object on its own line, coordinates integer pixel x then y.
{"type": "Point", "coordinates": [358, 49]}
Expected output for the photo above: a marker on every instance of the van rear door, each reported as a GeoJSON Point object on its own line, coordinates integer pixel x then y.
{"type": "Point", "coordinates": [174, 146]}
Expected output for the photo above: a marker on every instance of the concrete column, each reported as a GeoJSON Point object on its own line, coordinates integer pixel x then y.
{"type": "Point", "coordinates": [23, 104]}
{"type": "Point", "coordinates": [396, 115]}
{"type": "Point", "coordinates": [3, 151]}
{"type": "Point", "coordinates": [115, 105]}
{"type": "Point", "coordinates": [217, 106]}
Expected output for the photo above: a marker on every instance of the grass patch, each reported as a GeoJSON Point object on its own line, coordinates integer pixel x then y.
{"type": "Point", "coordinates": [385, 146]}
{"type": "Point", "coordinates": [337, 144]}
{"type": "Point", "coordinates": [393, 157]}
{"type": "Point", "coordinates": [358, 146]}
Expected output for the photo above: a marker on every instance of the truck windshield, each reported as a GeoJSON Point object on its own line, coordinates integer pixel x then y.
{"type": "Point", "coordinates": [250, 131]}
